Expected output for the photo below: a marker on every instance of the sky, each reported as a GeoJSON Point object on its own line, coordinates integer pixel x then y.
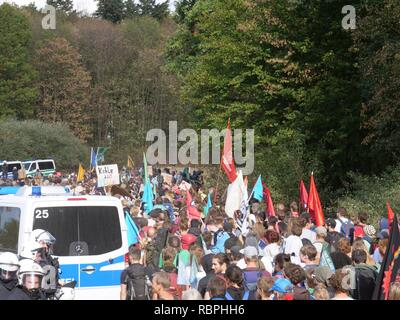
{"type": "Point", "coordinates": [88, 6]}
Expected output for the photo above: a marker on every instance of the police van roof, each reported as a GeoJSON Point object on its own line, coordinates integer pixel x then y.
{"type": "Point", "coordinates": [50, 193]}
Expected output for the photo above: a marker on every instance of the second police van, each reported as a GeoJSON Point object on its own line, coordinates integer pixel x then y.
{"type": "Point", "coordinates": [90, 231]}
{"type": "Point", "coordinates": [46, 167]}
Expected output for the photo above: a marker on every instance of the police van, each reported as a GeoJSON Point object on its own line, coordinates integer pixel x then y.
{"type": "Point", "coordinates": [10, 166]}
{"type": "Point", "coordinates": [46, 167]}
{"type": "Point", "coordinates": [90, 231]}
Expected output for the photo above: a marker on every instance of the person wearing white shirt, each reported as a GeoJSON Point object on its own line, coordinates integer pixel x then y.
{"type": "Point", "coordinates": [341, 217]}
{"type": "Point", "coordinates": [307, 233]}
{"type": "Point", "coordinates": [273, 247]}
{"type": "Point", "coordinates": [293, 244]}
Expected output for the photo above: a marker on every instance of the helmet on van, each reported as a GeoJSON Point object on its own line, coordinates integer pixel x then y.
{"type": "Point", "coordinates": [9, 265]}
{"type": "Point", "coordinates": [30, 275]}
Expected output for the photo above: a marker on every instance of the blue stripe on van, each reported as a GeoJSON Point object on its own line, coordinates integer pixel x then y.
{"type": "Point", "coordinates": [97, 278]}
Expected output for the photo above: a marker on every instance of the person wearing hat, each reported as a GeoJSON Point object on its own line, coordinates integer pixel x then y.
{"type": "Point", "coordinates": [281, 289]}
{"type": "Point", "coordinates": [253, 268]}
{"type": "Point", "coordinates": [370, 232]}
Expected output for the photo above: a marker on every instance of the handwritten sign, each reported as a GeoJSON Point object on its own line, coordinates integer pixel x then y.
{"type": "Point", "coordinates": [107, 175]}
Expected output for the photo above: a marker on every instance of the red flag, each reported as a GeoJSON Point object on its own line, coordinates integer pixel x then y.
{"type": "Point", "coordinates": [227, 162]}
{"type": "Point", "coordinates": [270, 211]}
{"type": "Point", "coordinates": [314, 204]}
{"type": "Point", "coordinates": [303, 196]}
{"type": "Point", "coordinates": [390, 213]}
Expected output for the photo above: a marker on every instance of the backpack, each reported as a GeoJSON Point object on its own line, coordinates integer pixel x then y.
{"type": "Point", "coordinates": [347, 228]}
{"type": "Point", "coordinates": [245, 296]}
{"type": "Point", "coordinates": [365, 281]}
{"type": "Point", "coordinates": [137, 286]}
{"type": "Point", "coordinates": [251, 278]}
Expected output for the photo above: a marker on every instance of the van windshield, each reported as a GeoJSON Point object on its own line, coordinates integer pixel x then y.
{"type": "Point", "coordinates": [9, 227]}
{"type": "Point", "coordinates": [81, 230]}
{"type": "Point", "coordinates": [48, 165]}
{"type": "Point", "coordinates": [27, 165]}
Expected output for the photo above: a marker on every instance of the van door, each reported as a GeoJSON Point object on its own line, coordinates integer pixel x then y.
{"type": "Point", "coordinates": [90, 246]}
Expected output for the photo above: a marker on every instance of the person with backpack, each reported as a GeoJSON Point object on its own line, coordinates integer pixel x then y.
{"type": "Point", "coordinates": [344, 225]}
{"type": "Point", "coordinates": [220, 236]}
{"type": "Point", "coordinates": [254, 268]}
{"type": "Point", "coordinates": [365, 276]}
{"type": "Point", "coordinates": [135, 285]}
{"type": "Point", "coordinates": [235, 287]}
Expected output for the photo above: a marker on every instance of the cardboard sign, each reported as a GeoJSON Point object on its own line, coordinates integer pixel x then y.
{"type": "Point", "coordinates": [107, 175]}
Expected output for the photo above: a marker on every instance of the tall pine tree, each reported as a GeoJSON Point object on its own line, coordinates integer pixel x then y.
{"type": "Point", "coordinates": [64, 5]}
{"type": "Point", "coordinates": [111, 10]}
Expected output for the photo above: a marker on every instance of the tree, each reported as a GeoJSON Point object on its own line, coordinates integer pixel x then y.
{"type": "Point", "coordinates": [64, 5]}
{"type": "Point", "coordinates": [131, 9]}
{"type": "Point", "coordinates": [151, 8]}
{"type": "Point", "coordinates": [111, 10]}
{"type": "Point", "coordinates": [17, 90]}
{"type": "Point", "coordinates": [42, 140]}
{"type": "Point", "coordinates": [377, 42]}
{"type": "Point", "coordinates": [64, 86]}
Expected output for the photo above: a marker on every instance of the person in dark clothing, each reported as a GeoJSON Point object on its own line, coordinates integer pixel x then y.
{"type": "Point", "coordinates": [4, 170]}
{"type": "Point", "coordinates": [9, 266]}
{"type": "Point", "coordinates": [235, 288]}
{"type": "Point", "coordinates": [340, 259]}
{"type": "Point", "coordinates": [30, 274]}
{"type": "Point", "coordinates": [333, 236]}
{"type": "Point", "coordinates": [206, 263]}
{"type": "Point", "coordinates": [134, 284]}
{"type": "Point", "coordinates": [365, 276]}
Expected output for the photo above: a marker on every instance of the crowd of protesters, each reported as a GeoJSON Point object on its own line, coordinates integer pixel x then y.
{"type": "Point", "coordinates": [284, 257]}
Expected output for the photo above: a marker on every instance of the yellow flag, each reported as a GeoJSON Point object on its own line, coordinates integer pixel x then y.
{"type": "Point", "coordinates": [81, 173]}
{"type": "Point", "coordinates": [130, 164]}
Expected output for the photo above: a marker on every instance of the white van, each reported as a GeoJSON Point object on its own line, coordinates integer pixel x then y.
{"type": "Point", "coordinates": [11, 165]}
{"type": "Point", "coordinates": [90, 231]}
{"type": "Point", "coordinates": [46, 167]}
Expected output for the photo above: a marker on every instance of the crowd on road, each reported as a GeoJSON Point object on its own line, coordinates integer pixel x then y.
{"type": "Point", "coordinates": [186, 249]}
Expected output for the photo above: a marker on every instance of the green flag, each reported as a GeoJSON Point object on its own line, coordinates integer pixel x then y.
{"type": "Point", "coordinates": [101, 151]}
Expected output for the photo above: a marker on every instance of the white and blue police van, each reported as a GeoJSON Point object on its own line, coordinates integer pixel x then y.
{"type": "Point", "coordinates": [90, 231]}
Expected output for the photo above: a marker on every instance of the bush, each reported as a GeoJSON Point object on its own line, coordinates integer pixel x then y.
{"type": "Point", "coordinates": [370, 194]}
{"type": "Point", "coordinates": [23, 140]}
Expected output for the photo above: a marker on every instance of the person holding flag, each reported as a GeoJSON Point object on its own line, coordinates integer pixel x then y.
{"type": "Point", "coordinates": [147, 198]}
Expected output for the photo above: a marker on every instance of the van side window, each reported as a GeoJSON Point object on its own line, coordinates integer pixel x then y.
{"type": "Point", "coordinates": [48, 165]}
{"type": "Point", "coordinates": [9, 228]}
{"type": "Point", "coordinates": [92, 230]}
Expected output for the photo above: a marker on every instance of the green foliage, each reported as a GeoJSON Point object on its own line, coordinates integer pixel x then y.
{"type": "Point", "coordinates": [41, 140]}
{"type": "Point", "coordinates": [370, 194]}
{"type": "Point", "coordinates": [17, 91]}
{"type": "Point", "coordinates": [111, 10]}
{"type": "Point", "coordinates": [64, 5]}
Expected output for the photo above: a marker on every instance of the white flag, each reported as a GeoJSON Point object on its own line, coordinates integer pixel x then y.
{"type": "Point", "coordinates": [235, 193]}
